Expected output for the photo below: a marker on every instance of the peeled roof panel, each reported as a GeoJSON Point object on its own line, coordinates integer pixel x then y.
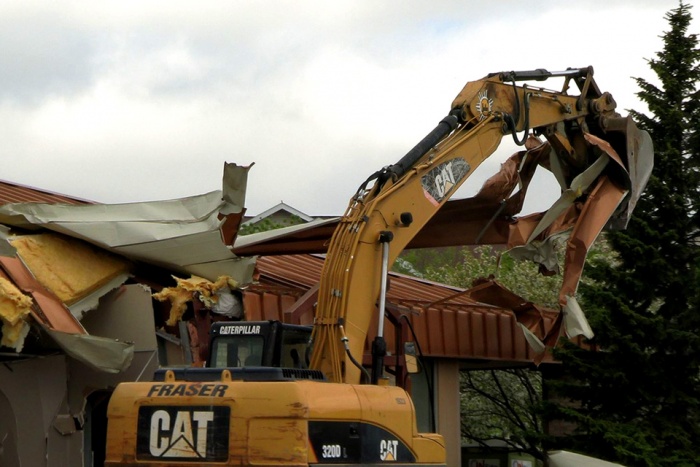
{"type": "Point", "coordinates": [320, 228]}
{"type": "Point", "coordinates": [113, 225]}
{"type": "Point", "coordinates": [241, 269]}
{"type": "Point", "coordinates": [202, 247]}
{"type": "Point", "coordinates": [152, 231]}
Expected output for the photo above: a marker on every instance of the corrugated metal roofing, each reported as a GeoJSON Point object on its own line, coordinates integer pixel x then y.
{"type": "Point", "coordinates": [447, 323]}
{"type": "Point", "coordinates": [16, 193]}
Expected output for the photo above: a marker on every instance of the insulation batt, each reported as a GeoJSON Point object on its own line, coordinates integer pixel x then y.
{"type": "Point", "coordinates": [14, 308]}
{"type": "Point", "coordinates": [188, 289]}
{"type": "Point", "coordinates": [70, 268]}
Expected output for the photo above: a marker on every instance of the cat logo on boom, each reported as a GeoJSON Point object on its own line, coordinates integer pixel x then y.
{"type": "Point", "coordinates": [443, 178]}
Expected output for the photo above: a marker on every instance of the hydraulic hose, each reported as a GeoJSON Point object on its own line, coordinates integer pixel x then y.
{"type": "Point", "coordinates": [446, 126]}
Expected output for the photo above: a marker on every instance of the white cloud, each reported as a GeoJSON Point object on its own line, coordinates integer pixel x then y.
{"type": "Point", "coordinates": [128, 101]}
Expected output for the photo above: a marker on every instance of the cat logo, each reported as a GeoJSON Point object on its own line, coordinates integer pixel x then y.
{"type": "Point", "coordinates": [186, 436]}
{"type": "Point", "coordinates": [388, 450]}
{"type": "Point", "coordinates": [442, 179]}
{"type": "Point", "coordinates": [183, 433]}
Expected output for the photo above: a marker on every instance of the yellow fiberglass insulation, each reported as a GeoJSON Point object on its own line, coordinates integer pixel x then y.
{"type": "Point", "coordinates": [187, 289]}
{"type": "Point", "coordinates": [14, 307]}
{"type": "Point", "coordinates": [68, 267]}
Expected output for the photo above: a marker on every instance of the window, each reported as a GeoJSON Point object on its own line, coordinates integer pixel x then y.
{"type": "Point", "coordinates": [294, 345]}
{"type": "Point", "coordinates": [237, 351]}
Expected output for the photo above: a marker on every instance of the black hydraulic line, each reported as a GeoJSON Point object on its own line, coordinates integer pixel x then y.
{"type": "Point", "coordinates": [344, 339]}
{"type": "Point", "coordinates": [513, 121]}
{"type": "Point", "coordinates": [444, 128]}
{"type": "Point", "coordinates": [364, 371]}
{"type": "Point", "coordinates": [540, 74]}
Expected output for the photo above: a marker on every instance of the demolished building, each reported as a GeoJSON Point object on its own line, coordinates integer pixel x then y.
{"type": "Point", "coordinates": [78, 316]}
{"type": "Point", "coordinates": [78, 279]}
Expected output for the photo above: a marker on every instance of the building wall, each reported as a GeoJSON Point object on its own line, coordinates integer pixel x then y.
{"type": "Point", "coordinates": [40, 430]}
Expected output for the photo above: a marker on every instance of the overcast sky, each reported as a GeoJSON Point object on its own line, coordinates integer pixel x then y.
{"type": "Point", "coordinates": [129, 101]}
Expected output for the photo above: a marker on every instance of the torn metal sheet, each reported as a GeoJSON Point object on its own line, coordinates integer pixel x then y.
{"type": "Point", "coordinates": [543, 253]}
{"type": "Point", "coordinates": [203, 254]}
{"type": "Point", "coordinates": [152, 231]}
{"type": "Point", "coordinates": [575, 321]}
{"type": "Point", "coordinates": [234, 186]}
{"type": "Point", "coordinates": [595, 214]}
{"type": "Point", "coordinates": [99, 353]}
{"type": "Point", "coordinates": [584, 221]}
{"type": "Point", "coordinates": [639, 158]}
{"type": "Point", "coordinates": [579, 185]}
{"type": "Point", "coordinates": [537, 319]}
{"type": "Point", "coordinates": [310, 237]}
{"type": "Point", "coordinates": [112, 225]}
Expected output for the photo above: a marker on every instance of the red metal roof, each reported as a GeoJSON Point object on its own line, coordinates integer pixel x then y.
{"type": "Point", "coordinates": [15, 193]}
{"type": "Point", "coordinates": [446, 323]}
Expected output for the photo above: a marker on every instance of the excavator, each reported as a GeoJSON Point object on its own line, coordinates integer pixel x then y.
{"type": "Point", "coordinates": [330, 410]}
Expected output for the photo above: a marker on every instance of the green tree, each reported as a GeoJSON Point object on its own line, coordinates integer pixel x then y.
{"type": "Point", "coordinates": [418, 261]}
{"type": "Point", "coordinates": [267, 224]}
{"type": "Point", "coordinates": [502, 405]}
{"type": "Point", "coordinates": [521, 277]}
{"type": "Point", "coordinates": [637, 400]}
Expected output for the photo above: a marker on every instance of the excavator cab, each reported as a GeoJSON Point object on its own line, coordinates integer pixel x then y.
{"type": "Point", "coordinates": [253, 351]}
{"type": "Point", "coordinates": [243, 344]}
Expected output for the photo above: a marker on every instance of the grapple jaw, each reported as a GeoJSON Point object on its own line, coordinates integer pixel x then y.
{"type": "Point", "coordinates": [635, 148]}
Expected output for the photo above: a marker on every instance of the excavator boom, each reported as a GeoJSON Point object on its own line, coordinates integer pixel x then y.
{"type": "Point", "coordinates": [322, 415]}
{"type": "Point", "coordinates": [395, 203]}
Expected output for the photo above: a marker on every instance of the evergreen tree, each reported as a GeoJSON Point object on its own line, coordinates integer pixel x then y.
{"type": "Point", "coordinates": [637, 400]}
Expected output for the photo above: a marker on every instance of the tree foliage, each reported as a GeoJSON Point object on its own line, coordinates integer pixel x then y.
{"type": "Point", "coordinates": [521, 277]}
{"type": "Point", "coordinates": [268, 224]}
{"type": "Point", "coordinates": [502, 405]}
{"type": "Point", "coordinates": [638, 399]}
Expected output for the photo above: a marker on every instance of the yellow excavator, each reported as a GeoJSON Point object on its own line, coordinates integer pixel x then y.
{"type": "Point", "coordinates": [329, 410]}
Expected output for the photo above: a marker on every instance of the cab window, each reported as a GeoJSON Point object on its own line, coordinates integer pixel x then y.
{"type": "Point", "coordinates": [239, 351]}
{"type": "Point", "coordinates": [294, 345]}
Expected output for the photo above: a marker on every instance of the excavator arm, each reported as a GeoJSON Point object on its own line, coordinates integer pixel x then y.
{"type": "Point", "coordinates": [292, 416]}
{"type": "Point", "coordinates": [394, 204]}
